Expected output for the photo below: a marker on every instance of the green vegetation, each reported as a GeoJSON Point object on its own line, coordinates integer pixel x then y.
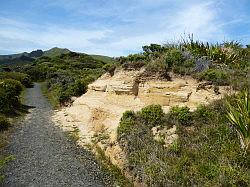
{"type": "Point", "coordinates": [152, 114]}
{"type": "Point", "coordinates": [21, 77]}
{"type": "Point", "coordinates": [126, 123]}
{"type": "Point", "coordinates": [11, 87]}
{"type": "Point", "coordinates": [28, 58]}
{"type": "Point", "coordinates": [206, 154]}
{"type": "Point", "coordinates": [208, 151]}
{"type": "Point", "coordinates": [54, 52]}
{"type": "Point", "coordinates": [239, 116]}
{"type": "Point", "coordinates": [221, 64]}
{"type": "Point", "coordinates": [216, 76]}
{"type": "Point", "coordinates": [9, 95]}
{"type": "Point", "coordinates": [181, 114]}
{"type": "Point", "coordinates": [105, 59]}
{"type": "Point", "coordinates": [66, 75]}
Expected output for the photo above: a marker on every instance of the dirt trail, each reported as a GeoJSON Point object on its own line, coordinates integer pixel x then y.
{"type": "Point", "coordinates": [44, 156]}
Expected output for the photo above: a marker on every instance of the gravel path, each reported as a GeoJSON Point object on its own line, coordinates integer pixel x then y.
{"type": "Point", "coordinates": [44, 156]}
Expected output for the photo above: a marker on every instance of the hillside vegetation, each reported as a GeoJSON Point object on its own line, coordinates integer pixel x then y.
{"type": "Point", "coordinates": [66, 75]}
{"type": "Point", "coordinates": [212, 148]}
{"type": "Point", "coordinates": [220, 64]}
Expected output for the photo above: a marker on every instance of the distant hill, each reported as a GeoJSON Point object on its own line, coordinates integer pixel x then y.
{"type": "Point", "coordinates": [24, 58]}
{"type": "Point", "coordinates": [55, 52]}
{"type": "Point", "coordinates": [105, 59]}
{"type": "Point", "coordinates": [27, 58]}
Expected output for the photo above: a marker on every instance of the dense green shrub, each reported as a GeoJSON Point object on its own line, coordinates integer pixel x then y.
{"type": "Point", "coordinates": [4, 123]}
{"type": "Point", "coordinates": [174, 58]}
{"type": "Point", "coordinates": [9, 94]}
{"type": "Point", "coordinates": [203, 113]}
{"type": "Point", "coordinates": [126, 123]}
{"type": "Point", "coordinates": [216, 76]}
{"type": "Point", "coordinates": [181, 114]}
{"type": "Point", "coordinates": [152, 113]}
{"type": "Point", "coordinates": [78, 88]}
{"type": "Point", "coordinates": [21, 77]}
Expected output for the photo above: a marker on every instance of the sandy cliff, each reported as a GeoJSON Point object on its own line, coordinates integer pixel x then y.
{"type": "Point", "coordinates": [100, 109]}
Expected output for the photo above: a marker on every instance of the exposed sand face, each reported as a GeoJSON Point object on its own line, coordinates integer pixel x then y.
{"type": "Point", "coordinates": [100, 109]}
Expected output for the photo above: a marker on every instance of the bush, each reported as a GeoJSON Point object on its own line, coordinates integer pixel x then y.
{"type": "Point", "coordinates": [203, 113]}
{"type": "Point", "coordinates": [126, 122]}
{"type": "Point", "coordinates": [216, 76]}
{"type": "Point", "coordinates": [181, 114]}
{"type": "Point", "coordinates": [9, 94]}
{"type": "Point", "coordinates": [78, 88]}
{"type": "Point", "coordinates": [68, 90]}
{"type": "Point", "coordinates": [174, 58]}
{"type": "Point", "coordinates": [4, 123]}
{"type": "Point", "coordinates": [21, 77]}
{"type": "Point", "coordinates": [152, 114]}
{"type": "Point", "coordinates": [186, 68]}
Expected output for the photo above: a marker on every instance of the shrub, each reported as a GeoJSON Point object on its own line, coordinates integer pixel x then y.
{"type": "Point", "coordinates": [158, 66]}
{"type": "Point", "coordinates": [216, 76]}
{"type": "Point", "coordinates": [126, 122]}
{"type": "Point", "coordinates": [151, 113]}
{"type": "Point", "coordinates": [21, 77]}
{"type": "Point", "coordinates": [78, 88]}
{"type": "Point", "coordinates": [181, 114]}
{"type": "Point", "coordinates": [4, 123]}
{"type": "Point", "coordinates": [186, 68]}
{"type": "Point", "coordinates": [174, 58]}
{"type": "Point", "coordinates": [9, 94]}
{"type": "Point", "coordinates": [203, 113]}
{"type": "Point", "coordinates": [12, 87]}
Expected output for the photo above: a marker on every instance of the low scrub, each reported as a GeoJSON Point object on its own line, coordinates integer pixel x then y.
{"type": "Point", "coordinates": [21, 77]}
{"type": "Point", "coordinates": [10, 91]}
{"type": "Point", "coordinates": [126, 123]}
{"type": "Point", "coordinates": [181, 114]}
{"type": "Point", "coordinates": [207, 152]}
{"type": "Point", "coordinates": [151, 114]}
{"type": "Point", "coordinates": [216, 76]}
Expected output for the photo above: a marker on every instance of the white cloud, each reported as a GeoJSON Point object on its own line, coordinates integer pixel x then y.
{"type": "Point", "coordinates": [120, 26]}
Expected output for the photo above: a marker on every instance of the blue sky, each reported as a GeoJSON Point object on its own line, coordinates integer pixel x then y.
{"type": "Point", "coordinates": [115, 27]}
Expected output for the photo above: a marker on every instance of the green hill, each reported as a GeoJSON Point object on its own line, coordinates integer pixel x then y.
{"type": "Point", "coordinates": [26, 58]}
{"type": "Point", "coordinates": [105, 59]}
{"type": "Point", "coordinates": [55, 52]}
